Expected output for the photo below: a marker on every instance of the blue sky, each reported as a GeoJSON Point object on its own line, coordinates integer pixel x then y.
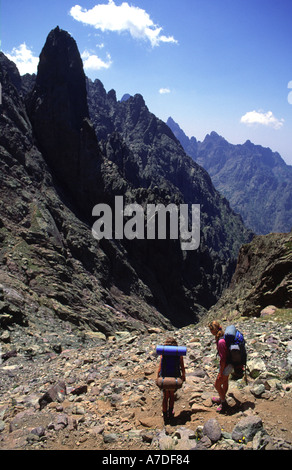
{"type": "Point", "coordinates": [213, 65]}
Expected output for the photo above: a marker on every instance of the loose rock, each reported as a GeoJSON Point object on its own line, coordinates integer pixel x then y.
{"type": "Point", "coordinates": [105, 397]}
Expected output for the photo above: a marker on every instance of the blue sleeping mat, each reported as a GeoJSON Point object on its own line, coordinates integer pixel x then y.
{"type": "Point", "coordinates": [171, 350]}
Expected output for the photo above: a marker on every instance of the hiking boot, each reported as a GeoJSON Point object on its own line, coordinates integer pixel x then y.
{"type": "Point", "coordinates": [165, 417]}
{"type": "Point", "coordinates": [222, 408]}
{"type": "Point", "coordinates": [170, 413]}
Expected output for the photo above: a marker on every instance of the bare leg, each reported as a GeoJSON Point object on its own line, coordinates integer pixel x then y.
{"type": "Point", "coordinates": [165, 401]}
{"type": "Point", "coordinates": [221, 385]}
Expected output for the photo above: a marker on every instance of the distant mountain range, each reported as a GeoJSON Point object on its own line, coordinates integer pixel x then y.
{"type": "Point", "coordinates": [256, 181]}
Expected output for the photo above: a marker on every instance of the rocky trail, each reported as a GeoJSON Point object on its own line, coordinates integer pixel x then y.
{"type": "Point", "coordinates": [104, 397]}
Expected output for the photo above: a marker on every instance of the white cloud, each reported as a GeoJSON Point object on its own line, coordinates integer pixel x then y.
{"type": "Point", "coordinates": [164, 91]}
{"type": "Point", "coordinates": [24, 59]}
{"type": "Point", "coordinates": [125, 17]}
{"type": "Point", "coordinates": [290, 93]}
{"type": "Point", "coordinates": [265, 119]}
{"type": "Point", "coordinates": [93, 62]}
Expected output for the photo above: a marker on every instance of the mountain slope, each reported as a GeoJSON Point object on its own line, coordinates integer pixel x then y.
{"type": "Point", "coordinates": [54, 277]}
{"type": "Point", "coordinates": [263, 277]}
{"type": "Point", "coordinates": [256, 181]}
{"type": "Point", "coordinates": [56, 164]}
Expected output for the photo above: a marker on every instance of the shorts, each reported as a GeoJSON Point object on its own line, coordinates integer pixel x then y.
{"type": "Point", "coordinates": [228, 369]}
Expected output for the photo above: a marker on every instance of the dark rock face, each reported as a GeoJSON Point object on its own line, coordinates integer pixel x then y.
{"type": "Point", "coordinates": [59, 115]}
{"type": "Point", "coordinates": [256, 181]}
{"type": "Point", "coordinates": [263, 276]}
{"type": "Point", "coordinates": [59, 159]}
{"type": "Point", "coordinates": [153, 162]}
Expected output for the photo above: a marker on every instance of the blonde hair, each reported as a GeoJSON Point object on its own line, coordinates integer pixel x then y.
{"type": "Point", "coordinates": [215, 326]}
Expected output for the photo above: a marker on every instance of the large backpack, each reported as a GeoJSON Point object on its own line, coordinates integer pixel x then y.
{"type": "Point", "coordinates": [235, 342]}
{"type": "Point", "coordinates": [170, 376]}
{"type": "Point", "coordinates": [170, 366]}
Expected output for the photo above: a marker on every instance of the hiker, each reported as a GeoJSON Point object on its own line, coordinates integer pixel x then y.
{"type": "Point", "coordinates": [225, 369]}
{"type": "Point", "coordinates": [170, 367]}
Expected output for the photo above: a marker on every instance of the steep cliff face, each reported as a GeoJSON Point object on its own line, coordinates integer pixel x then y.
{"type": "Point", "coordinates": [150, 157]}
{"type": "Point", "coordinates": [263, 277]}
{"type": "Point", "coordinates": [256, 181]}
{"type": "Point", "coordinates": [58, 159]}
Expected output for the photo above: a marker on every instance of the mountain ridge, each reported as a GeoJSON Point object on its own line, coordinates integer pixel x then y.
{"type": "Point", "coordinates": [249, 176]}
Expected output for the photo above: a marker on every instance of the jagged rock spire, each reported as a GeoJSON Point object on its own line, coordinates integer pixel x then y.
{"type": "Point", "coordinates": [59, 112]}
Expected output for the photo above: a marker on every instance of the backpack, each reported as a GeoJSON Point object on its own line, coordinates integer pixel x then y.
{"type": "Point", "coordinates": [170, 376]}
{"type": "Point", "coordinates": [170, 366]}
{"type": "Point", "coordinates": [236, 347]}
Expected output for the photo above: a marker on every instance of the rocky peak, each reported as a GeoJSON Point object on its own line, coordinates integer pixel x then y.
{"type": "Point", "coordinates": [214, 139]}
{"type": "Point", "coordinates": [61, 74]}
{"type": "Point", "coordinates": [59, 113]}
{"type": "Point", "coordinates": [181, 136]}
{"type": "Point", "coordinates": [13, 115]}
{"type": "Point", "coordinates": [10, 71]}
{"type": "Point", "coordinates": [112, 96]}
{"type": "Point", "coordinates": [125, 97]}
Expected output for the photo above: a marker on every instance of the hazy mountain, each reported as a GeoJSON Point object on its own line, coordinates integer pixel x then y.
{"type": "Point", "coordinates": [256, 181]}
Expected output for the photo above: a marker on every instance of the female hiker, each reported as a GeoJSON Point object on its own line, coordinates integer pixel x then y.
{"type": "Point", "coordinates": [225, 369]}
{"type": "Point", "coordinates": [170, 366]}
